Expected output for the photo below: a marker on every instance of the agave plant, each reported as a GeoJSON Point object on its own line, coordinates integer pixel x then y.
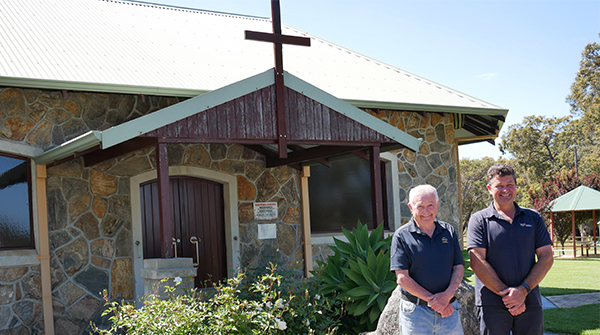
{"type": "Point", "coordinates": [359, 272]}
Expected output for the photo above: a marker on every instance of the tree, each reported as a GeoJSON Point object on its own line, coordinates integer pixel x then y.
{"type": "Point", "coordinates": [546, 192]}
{"type": "Point", "coordinates": [585, 91]}
{"type": "Point", "coordinates": [537, 147]}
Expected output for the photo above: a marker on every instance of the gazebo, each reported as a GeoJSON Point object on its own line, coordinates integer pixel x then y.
{"type": "Point", "coordinates": [581, 199]}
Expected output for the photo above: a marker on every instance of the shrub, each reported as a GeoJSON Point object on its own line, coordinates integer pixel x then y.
{"type": "Point", "coordinates": [359, 274]}
{"type": "Point", "coordinates": [255, 303]}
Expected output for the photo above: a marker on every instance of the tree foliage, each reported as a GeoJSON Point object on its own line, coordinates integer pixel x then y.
{"type": "Point", "coordinates": [585, 91]}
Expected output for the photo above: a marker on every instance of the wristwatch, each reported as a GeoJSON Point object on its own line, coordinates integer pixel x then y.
{"type": "Point", "coordinates": [526, 287]}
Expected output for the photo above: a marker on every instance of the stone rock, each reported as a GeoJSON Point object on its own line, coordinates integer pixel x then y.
{"type": "Point", "coordinates": [12, 102]}
{"type": "Point", "coordinates": [102, 183]}
{"type": "Point", "coordinates": [111, 224]}
{"type": "Point", "coordinates": [246, 190]}
{"type": "Point", "coordinates": [99, 207]}
{"type": "Point", "coordinates": [72, 168]}
{"type": "Point", "coordinates": [5, 315]}
{"type": "Point", "coordinates": [84, 309]}
{"type": "Point", "coordinates": [58, 239]}
{"type": "Point", "coordinates": [104, 248]}
{"type": "Point", "coordinates": [293, 214]}
{"type": "Point", "coordinates": [95, 110]}
{"type": "Point", "coordinates": [435, 161]}
{"type": "Point", "coordinates": [16, 128]}
{"type": "Point", "coordinates": [175, 154]}
{"type": "Point", "coordinates": [267, 186]}
{"type": "Point", "coordinates": [123, 241]}
{"type": "Point", "coordinates": [388, 323]}
{"type": "Point", "coordinates": [89, 225]}
{"type": "Point", "coordinates": [73, 128]}
{"type": "Point", "coordinates": [291, 193]}
{"type": "Point", "coordinates": [131, 166]}
{"type": "Point", "coordinates": [57, 275]}
{"type": "Point", "coordinates": [7, 293]}
{"type": "Point", "coordinates": [120, 206]}
{"type": "Point", "coordinates": [245, 212]}
{"type": "Point", "coordinates": [196, 155]}
{"type": "Point", "coordinates": [32, 287]}
{"type": "Point", "coordinates": [74, 256]}
{"type": "Point", "coordinates": [74, 188]}
{"type": "Point", "coordinates": [64, 325]}
{"type": "Point", "coordinates": [57, 210]}
{"type": "Point", "coordinates": [123, 187]}
{"type": "Point", "coordinates": [282, 173]}
{"type": "Point", "coordinates": [248, 154]}
{"type": "Point", "coordinates": [79, 206]}
{"type": "Point", "coordinates": [218, 151]}
{"type": "Point", "coordinates": [101, 262]}
{"type": "Point", "coordinates": [72, 107]}
{"type": "Point", "coordinates": [235, 151]}
{"type": "Point", "coordinates": [122, 279]}
{"type": "Point", "coordinates": [71, 293]}
{"type": "Point", "coordinates": [58, 137]}
{"type": "Point", "coordinates": [57, 116]}
{"type": "Point", "coordinates": [440, 132]}
{"type": "Point", "coordinates": [12, 274]}
{"type": "Point", "coordinates": [423, 167]}
{"type": "Point", "coordinates": [20, 330]}
{"type": "Point", "coordinates": [424, 149]}
{"type": "Point", "coordinates": [232, 166]}
{"type": "Point", "coordinates": [93, 280]}
{"type": "Point", "coordinates": [254, 169]}
{"type": "Point", "coordinates": [28, 311]}
{"type": "Point", "coordinates": [286, 239]}
{"type": "Point", "coordinates": [51, 98]}
{"type": "Point", "coordinates": [41, 135]}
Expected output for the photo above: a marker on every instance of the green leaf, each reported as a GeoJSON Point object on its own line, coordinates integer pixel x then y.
{"type": "Point", "coordinates": [372, 298]}
{"type": "Point", "coordinates": [376, 235]}
{"type": "Point", "coordinates": [360, 291]}
{"type": "Point", "coordinates": [359, 309]}
{"type": "Point", "coordinates": [374, 314]}
{"type": "Point", "coordinates": [356, 276]}
{"type": "Point", "coordinates": [388, 287]}
{"type": "Point", "coordinates": [382, 301]}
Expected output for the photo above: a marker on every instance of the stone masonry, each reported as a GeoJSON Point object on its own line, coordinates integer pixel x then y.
{"type": "Point", "coordinates": [89, 209]}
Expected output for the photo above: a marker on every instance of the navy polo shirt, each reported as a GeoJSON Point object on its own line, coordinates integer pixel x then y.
{"type": "Point", "coordinates": [429, 260]}
{"type": "Point", "coordinates": [510, 249]}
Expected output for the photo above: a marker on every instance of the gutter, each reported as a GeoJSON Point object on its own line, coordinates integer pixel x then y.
{"type": "Point", "coordinates": [78, 144]}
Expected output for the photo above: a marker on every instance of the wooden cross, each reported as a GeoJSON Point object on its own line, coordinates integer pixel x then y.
{"type": "Point", "coordinates": [278, 40]}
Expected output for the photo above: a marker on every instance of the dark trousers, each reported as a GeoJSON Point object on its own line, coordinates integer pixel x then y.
{"type": "Point", "coordinates": [497, 320]}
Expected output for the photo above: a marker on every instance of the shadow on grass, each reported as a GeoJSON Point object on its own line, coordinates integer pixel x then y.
{"type": "Point", "coordinates": [550, 291]}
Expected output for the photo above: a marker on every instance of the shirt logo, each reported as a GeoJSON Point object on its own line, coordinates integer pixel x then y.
{"type": "Point", "coordinates": [526, 225]}
{"type": "Point", "coordinates": [444, 240]}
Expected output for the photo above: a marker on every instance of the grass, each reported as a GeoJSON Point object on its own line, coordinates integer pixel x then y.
{"type": "Point", "coordinates": [567, 276]}
{"type": "Point", "coordinates": [582, 320]}
{"type": "Point", "coordinates": [570, 276]}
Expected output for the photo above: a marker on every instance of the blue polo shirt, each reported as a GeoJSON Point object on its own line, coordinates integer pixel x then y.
{"type": "Point", "coordinates": [429, 260]}
{"type": "Point", "coordinates": [510, 249]}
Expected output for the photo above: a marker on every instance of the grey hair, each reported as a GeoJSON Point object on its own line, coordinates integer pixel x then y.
{"type": "Point", "coordinates": [422, 189]}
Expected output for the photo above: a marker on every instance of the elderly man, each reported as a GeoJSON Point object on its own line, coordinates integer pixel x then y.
{"type": "Point", "coordinates": [503, 242]}
{"type": "Point", "coordinates": [428, 263]}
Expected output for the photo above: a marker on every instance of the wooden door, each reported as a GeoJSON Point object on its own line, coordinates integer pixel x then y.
{"type": "Point", "coordinates": [198, 215]}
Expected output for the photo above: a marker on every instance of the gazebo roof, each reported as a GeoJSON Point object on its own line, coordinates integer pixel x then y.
{"type": "Point", "coordinates": [582, 198]}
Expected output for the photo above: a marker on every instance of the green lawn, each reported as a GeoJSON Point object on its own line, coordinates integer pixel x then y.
{"type": "Point", "coordinates": [567, 276]}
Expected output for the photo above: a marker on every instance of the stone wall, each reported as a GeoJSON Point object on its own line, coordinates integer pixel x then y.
{"type": "Point", "coordinates": [89, 209]}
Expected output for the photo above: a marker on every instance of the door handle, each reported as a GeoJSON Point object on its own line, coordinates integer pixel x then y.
{"type": "Point", "coordinates": [195, 241]}
{"type": "Point", "coordinates": [175, 241]}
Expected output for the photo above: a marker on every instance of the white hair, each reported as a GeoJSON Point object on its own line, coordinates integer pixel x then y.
{"type": "Point", "coordinates": [420, 190]}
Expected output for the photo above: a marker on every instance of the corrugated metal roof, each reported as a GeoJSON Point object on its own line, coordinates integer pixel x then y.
{"type": "Point", "coordinates": [582, 198]}
{"type": "Point", "coordinates": [133, 47]}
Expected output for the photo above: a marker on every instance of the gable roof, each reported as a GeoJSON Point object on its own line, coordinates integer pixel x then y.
{"type": "Point", "coordinates": [582, 198]}
{"type": "Point", "coordinates": [141, 48]}
{"type": "Point", "coordinates": [353, 127]}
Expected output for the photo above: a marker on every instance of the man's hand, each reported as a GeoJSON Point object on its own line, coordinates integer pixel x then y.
{"type": "Point", "coordinates": [447, 311]}
{"type": "Point", "coordinates": [514, 299]}
{"type": "Point", "coordinates": [440, 301]}
{"type": "Point", "coordinates": [517, 309]}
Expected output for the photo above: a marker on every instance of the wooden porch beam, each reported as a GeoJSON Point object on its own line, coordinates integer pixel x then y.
{"type": "Point", "coordinates": [311, 155]}
{"type": "Point", "coordinates": [164, 201]}
{"type": "Point", "coordinates": [376, 196]}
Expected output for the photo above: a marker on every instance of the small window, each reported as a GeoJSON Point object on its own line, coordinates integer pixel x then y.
{"type": "Point", "coordinates": [340, 195]}
{"type": "Point", "coordinates": [15, 199]}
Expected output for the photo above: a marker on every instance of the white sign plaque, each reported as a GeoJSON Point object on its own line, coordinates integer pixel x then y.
{"type": "Point", "coordinates": [265, 211]}
{"type": "Point", "coordinates": [267, 230]}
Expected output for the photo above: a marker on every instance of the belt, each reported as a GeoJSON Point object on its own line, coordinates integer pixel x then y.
{"type": "Point", "coordinates": [419, 301]}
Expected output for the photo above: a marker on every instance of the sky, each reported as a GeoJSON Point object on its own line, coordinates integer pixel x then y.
{"type": "Point", "coordinates": [520, 55]}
